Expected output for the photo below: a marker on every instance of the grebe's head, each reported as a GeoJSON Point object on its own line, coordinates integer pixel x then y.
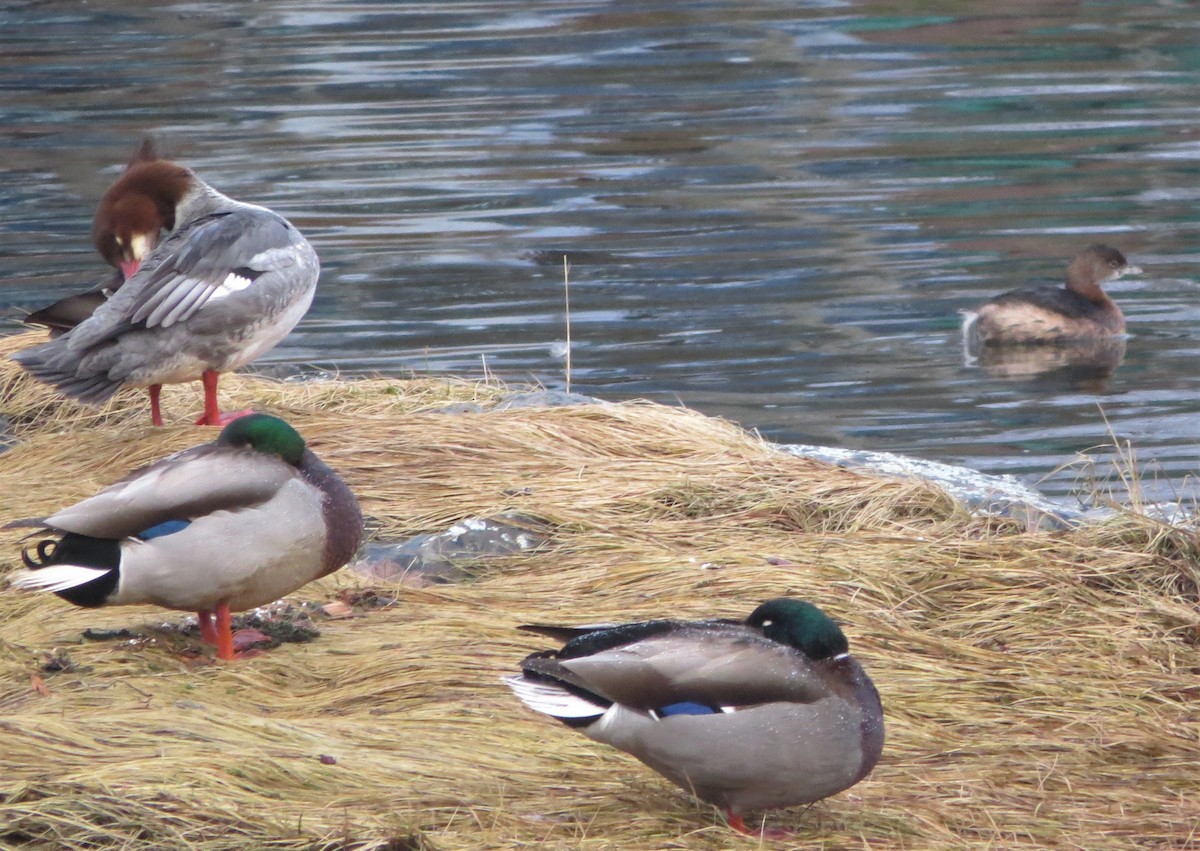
{"type": "Point", "coordinates": [1096, 265]}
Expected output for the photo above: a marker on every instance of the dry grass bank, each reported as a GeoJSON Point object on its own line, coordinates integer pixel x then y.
{"type": "Point", "coordinates": [1039, 689]}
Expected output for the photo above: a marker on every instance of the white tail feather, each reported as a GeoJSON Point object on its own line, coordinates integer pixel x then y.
{"type": "Point", "coordinates": [552, 699]}
{"type": "Point", "coordinates": [970, 317]}
{"type": "Point", "coordinates": [57, 577]}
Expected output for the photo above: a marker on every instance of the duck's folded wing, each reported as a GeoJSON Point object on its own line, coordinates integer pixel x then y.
{"type": "Point", "coordinates": [586, 639]}
{"type": "Point", "coordinates": [186, 486]}
{"type": "Point", "coordinates": [567, 633]}
{"type": "Point", "coordinates": [720, 668]}
{"type": "Point", "coordinates": [215, 257]}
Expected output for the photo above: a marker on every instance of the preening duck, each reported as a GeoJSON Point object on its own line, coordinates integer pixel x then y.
{"type": "Point", "coordinates": [748, 715]}
{"type": "Point", "coordinates": [221, 527]}
{"type": "Point", "coordinates": [1080, 311]}
{"type": "Point", "coordinates": [226, 285]}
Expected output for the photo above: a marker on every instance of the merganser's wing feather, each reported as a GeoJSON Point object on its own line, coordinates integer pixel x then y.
{"type": "Point", "coordinates": [211, 258]}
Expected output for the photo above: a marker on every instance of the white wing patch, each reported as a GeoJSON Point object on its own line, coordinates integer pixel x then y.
{"type": "Point", "coordinates": [58, 577]}
{"type": "Point", "coordinates": [233, 283]}
{"type": "Point", "coordinates": [271, 260]}
{"type": "Point", "coordinates": [551, 699]}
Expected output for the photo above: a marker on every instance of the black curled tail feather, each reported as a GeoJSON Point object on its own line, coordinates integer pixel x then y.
{"type": "Point", "coordinates": [85, 551]}
{"type": "Point", "coordinates": [45, 554]}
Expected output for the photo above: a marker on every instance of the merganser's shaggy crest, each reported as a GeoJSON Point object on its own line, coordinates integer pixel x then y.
{"type": "Point", "coordinates": [226, 285]}
{"type": "Point", "coordinates": [1081, 311]}
{"type": "Point", "coordinates": [221, 527]}
{"type": "Point", "coordinates": [768, 712]}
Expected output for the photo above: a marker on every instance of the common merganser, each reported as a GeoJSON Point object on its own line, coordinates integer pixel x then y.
{"type": "Point", "coordinates": [227, 284]}
{"type": "Point", "coordinates": [1081, 311]}
{"type": "Point", "coordinates": [221, 527]}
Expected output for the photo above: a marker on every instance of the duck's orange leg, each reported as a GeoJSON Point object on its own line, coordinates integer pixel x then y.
{"type": "Point", "coordinates": [208, 632]}
{"type": "Point", "coordinates": [155, 410]}
{"type": "Point", "coordinates": [212, 415]}
{"type": "Point", "coordinates": [212, 411]}
{"type": "Point", "coordinates": [764, 832]}
{"type": "Point", "coordinates": [240, 644]}
{"type": "Point", "coordinates": [224, 631]}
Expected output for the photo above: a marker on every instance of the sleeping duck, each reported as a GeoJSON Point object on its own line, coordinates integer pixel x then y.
{"type": "Point", "coordinates": [219, 528]}
{"type": "Point", "coordinates": [748, 715]}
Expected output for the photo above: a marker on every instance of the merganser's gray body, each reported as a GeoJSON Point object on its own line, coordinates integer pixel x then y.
{"type": "Point", "coordinates": [228, 283]}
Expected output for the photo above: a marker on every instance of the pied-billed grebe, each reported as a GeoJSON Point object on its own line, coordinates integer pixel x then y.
{"type": "Point", "coordinates": [1036, 315]}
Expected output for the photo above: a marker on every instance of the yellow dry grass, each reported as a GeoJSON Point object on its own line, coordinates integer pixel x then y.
{"type": "Point", "coordinates": [1040, 689]}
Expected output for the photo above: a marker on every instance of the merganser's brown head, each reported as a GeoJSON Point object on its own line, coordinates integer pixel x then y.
{"type": "Point", "coordinates": [137, 207]}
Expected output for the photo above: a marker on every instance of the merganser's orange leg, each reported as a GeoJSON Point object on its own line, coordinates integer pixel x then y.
{"type": "Point", "coordinates": [212, 411]}
{"type": "Point", "coordinates": [155, 410]}
{"type": "Point", "coordinates": [212, 415]}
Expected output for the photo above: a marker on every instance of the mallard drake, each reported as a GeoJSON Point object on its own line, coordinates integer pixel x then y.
{"type": "Point", "coordinates": [127, 225]}
{"type": "Point", "coordinates": [226, 285]}
{"type": "Point", "coordinates": [218, 528]}
{"type": "Point", "coordinates": [748, 715]}
{"type": "Point", "coordinates": [1080, 311]}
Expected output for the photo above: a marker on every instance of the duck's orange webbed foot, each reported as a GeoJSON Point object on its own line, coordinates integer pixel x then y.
{"type": "Point", "coordinates": [212, 415]}
{"type": "Point", "coordinates": [223, 419]}
{"type": "Point", "coordinates": [246, 641]}
{"type": "Point", "coordinates": [762, 831]}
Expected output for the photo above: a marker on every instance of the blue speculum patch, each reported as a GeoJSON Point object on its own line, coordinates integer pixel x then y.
{"type": "Point", "coordinates": [687, 707]}
{"type": "Point", "coordinates": [167, 527]}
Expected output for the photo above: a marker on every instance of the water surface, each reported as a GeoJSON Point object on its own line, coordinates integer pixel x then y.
{"type": "Point", "coordinates": [773, 210]}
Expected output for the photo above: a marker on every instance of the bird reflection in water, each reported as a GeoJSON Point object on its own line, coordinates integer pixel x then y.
{"type": "Point", "coordinates": [1077, 365]}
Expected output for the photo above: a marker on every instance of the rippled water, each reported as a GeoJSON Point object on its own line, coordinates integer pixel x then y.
{"type": "Point", "coordinates": [773, 210]}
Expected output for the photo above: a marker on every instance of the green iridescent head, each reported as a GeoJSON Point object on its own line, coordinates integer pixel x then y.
{"type": "Point", "coordinates": [264, 433]}
{"type": "Point", "coordinates": [801, 625]}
